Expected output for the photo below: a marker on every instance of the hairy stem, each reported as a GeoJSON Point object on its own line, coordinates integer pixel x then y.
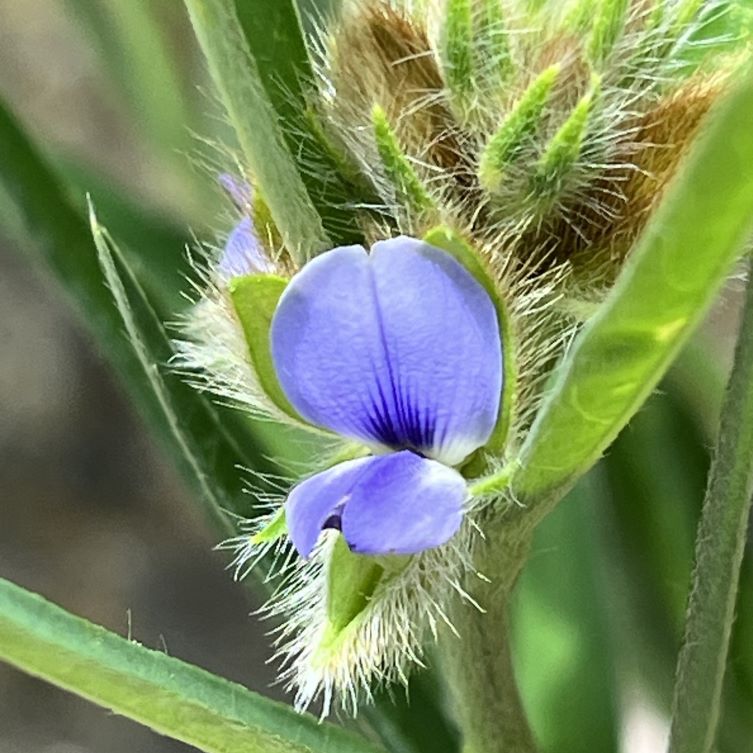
{"type": "Point", "coordinates": [479, 662]}
{"type": "Point", "coordinates": [719, 553]}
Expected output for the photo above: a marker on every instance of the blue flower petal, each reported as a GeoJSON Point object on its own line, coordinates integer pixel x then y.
{"type": "Point", "coordinates": [399, 348]}
{"type": "Point", "coordinates": [403, 504]}
{"type": "Point", "coordinates": [240, 191]}
{"type": "Point", "coordinates": [314, 501]}
{"type": "Point", "coordinates": [399, 503]}
{"type": "Point", "coordinates": [243, 253]}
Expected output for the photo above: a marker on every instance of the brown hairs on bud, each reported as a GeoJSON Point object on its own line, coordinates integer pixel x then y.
{"type": "Point", "coordinates": [378, 55]}
{"type": "Point", "coordinates": [628, 197]}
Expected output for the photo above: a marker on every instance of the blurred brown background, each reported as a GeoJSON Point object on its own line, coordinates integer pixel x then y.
{"type": "Point", "coordinates": [91, 514]}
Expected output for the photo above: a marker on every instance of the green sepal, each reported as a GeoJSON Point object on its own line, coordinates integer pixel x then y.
{"type": "Point", "coordinates": [518, 126]}
{"type": "Point", "coordinates": [450, 241]}
{"type": "Point", "coordinates": [686, 13]}
{"type": "Point", "coordinates": [579, 16]}
{"type": "Point", "coordinates": [566, 146]}
{"type": "Point", "coordinates": [274, 530]}
{"type": "Point", "coordinates": [456, 49]}
{"type": "Point", "coordinates": [492, 55]}
{"type": "Point", "coordinates": [352, 581]}
{"type": "Point", "coordinates": [409, 188]}
{"type": "Point", "coordinates": [610, 17]}
{"type": "Point", "coordinates": [255, 299]}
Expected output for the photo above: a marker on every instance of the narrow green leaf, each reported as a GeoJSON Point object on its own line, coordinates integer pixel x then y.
{"type": "Point", "coordinates": [257, 126]}
{"type": "Point", "coordinates": [255, 299]}
{"type": "Point", "coordinates": [518, 126]}
{"type": "Point", "coordinates": [409, 188]}
{"type": "Point", "coordinates": [154, 244]}
{"type": "Point", "coordinates": [275, 39]}
{"type": "Point", "coordinates": [147, 356]}
{"type": "Point", "coordinates": [272, 29]}
{"type": "Point", "coordinates": [63, 240]}
{"type": "Point", "coordinates": [174, 698]}
{"type": "Point", "coordinates": [659, 299]}
{"type": "Point", "coordinates": [722, 535]}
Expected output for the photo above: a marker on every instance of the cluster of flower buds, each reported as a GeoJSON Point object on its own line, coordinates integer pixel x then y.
{"type": "Point", "coordinates": [504, 156]}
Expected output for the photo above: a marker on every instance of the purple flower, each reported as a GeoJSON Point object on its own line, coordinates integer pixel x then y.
{"type": "Point", "coordinates": [243, 253]}
{"type": "Point", "coordinates": [399, 349]}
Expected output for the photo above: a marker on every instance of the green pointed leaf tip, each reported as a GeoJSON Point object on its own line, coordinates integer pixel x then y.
{"type": "Point", "coordinates": [566, 146]}
{"type": "Point", "coordinates": [172, 697]}
{"type": "Point", "coordinates": [273, 531]}
{"type": "Point", "coordinates": [456, 48]}
{"type": "Point", "coordinates": [492, 55]}
{"type": "Point", "coordinates": [686, 12]}
{"type": "Point", "coordinates": [255, 299]}
{"type": "Point", "coordinates": [608, 25]}
{"type": "Point", "coordinates": [657, 15]}
{"type": "Point", "coordinates": [579, 15]}
{"type": "Point", "coordinates": [673, 275]}
{"type": "Point", "coordinates": [516, 128]}
{"type": "Point", "coordinates": [408, 186]}
{"type": "Point", "coordinates": [450, 241]}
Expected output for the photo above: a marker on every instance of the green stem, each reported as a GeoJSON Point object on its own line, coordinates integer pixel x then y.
{"type": "Point", "coordinates": [256, 124]}
{"type": "Point", "coordinates": [719, 553]}
{"type": "Point", "coordinates": [479, 662]}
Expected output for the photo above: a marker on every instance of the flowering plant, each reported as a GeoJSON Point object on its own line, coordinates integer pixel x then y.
{"type": "Point", "coordinates": [469, 238]}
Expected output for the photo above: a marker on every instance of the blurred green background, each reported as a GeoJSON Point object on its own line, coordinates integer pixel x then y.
{"type": "Point", "coordinates": [93, 516]}
{"type": "Point", "coordinates": [91, 512]}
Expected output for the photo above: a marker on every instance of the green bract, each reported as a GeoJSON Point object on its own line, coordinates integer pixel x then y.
{"type": "Point", "coordinates": [255, 298]}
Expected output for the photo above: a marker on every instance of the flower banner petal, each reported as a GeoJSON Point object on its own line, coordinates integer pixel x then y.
{"type": "Point", "coordinates": [399, 348]}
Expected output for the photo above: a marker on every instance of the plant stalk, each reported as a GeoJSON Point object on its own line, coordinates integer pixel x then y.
{"type": "Point", "coordinates": [719, 552]}
{"type": "Point", "coordinates": [479, 661]}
